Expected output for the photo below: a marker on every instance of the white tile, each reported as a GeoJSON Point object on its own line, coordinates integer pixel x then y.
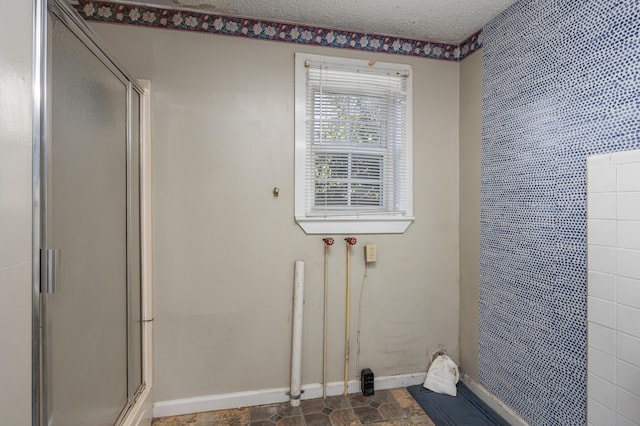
{"type": "Point", "coordinates": [628, 234]}
{"type": "Point", "coordinates": [601, 205]}
{"type": "Point", "coordinates": [601, 338]}
{"type": "Point", "coordinates": [601, 232]}
{"type": "Point", "coordinates": [628, 377]}
{"type": "Point", "coordinates": [599, 415]}
{"type": "Point", "coordinates": [601, 364]}
{"type": "Point", "coordinates": [601, 259]}
{"type": "Point", "coordinates": [627, 404]}
{"type": "Point", "coordinates": [601, 179]}
{"type": "Point", "coordinates": [629, 177]}
{"type": "Point", "coordinates": [601, 312]}
{"type": "Point", "coordinates": [628, 263]}
{"type": "Point", "coordinates": [628, 320]}
{"type": "Point", "coordinates": [601, 391]}
{"type": "Point", "coordinates": [599, 160]}
{"type": "Point", "coordinates": [628, 206]}
{"type": "Point", "coordinates": [625, 157]}
{"type": "Point", "coordinates": [628, 292]}
{"type": "Point", "coordinates": [621, 421]}
{"type": "Point", "coordinates": [628, 348]}
{"type": "Point", "coordinates": [601, 285]}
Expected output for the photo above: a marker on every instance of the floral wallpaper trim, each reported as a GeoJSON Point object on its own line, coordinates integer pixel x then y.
{"type": "Point", "coordinates": [156, 17]}
{"type": "Point", "coordinates": [470, 45]}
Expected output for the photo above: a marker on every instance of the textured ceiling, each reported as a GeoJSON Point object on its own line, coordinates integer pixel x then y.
{"type": "Point", "coordinates": [446, 21]}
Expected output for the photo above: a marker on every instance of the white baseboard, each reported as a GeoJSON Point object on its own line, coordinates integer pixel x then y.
{"type": "Point", "coordinates": [225, 401]}
{"type": "Point", "coordinates": [492, 401]}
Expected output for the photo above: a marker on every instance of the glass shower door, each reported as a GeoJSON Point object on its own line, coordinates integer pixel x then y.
{"type": "Point", "coordinates": [86, 335]}
{"type": "Point", "coordinates": [134, 250]}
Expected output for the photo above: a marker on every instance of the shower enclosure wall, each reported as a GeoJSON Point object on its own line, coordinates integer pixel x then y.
{"type": "Point", "coordinates": [613, 304]}
{"type": "Point", "coordinates": [87, 304]}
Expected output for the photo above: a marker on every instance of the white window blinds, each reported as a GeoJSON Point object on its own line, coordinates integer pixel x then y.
{"type": "Point", "coordinates": [356, 138]}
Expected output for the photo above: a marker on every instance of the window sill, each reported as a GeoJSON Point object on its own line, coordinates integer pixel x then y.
{"type": "Point", "coordinates": [354, 225]}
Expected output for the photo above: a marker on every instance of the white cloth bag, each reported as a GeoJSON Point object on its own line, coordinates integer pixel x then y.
{"type": "Point", "coordinates": [442, 376]}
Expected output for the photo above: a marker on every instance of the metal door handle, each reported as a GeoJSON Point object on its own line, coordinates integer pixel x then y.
{"type": "Point", "coordinates": [49, 270]}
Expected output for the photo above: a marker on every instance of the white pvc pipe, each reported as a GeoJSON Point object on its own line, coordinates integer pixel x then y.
{"type": "Point", "coordinates": [296, 341]}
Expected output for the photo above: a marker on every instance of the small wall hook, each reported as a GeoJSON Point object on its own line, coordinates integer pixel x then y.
{"type": "Point", "coordinates": [276, 191]}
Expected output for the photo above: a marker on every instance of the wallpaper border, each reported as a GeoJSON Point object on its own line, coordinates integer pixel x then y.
{"type": "Point", "coordinates": [185, 20]}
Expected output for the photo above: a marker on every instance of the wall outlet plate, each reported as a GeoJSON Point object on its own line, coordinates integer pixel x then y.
{"type": "Point", "coordinates": [370, 253]}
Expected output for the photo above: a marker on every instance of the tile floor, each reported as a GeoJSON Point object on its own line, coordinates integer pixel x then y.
{"type": "Point", "coordinates": [393, 407]}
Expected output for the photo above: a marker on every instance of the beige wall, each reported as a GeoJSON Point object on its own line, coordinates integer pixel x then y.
{"type": "Point", "coordinates": [15, 214]}
{"type": "Point", "coordinates": [470, 154]}
{"type": "Point", "coordinates": [224, 247]}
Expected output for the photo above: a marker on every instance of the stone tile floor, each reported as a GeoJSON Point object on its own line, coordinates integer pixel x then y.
{"type": "Point", "coordinates": [393, 407]}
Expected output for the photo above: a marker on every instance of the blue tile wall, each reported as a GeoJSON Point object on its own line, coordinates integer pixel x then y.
{"type": "Point", "coordinates": [561, 81]}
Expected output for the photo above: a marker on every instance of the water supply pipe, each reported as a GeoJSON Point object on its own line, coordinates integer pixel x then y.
{"type": "Point", "coordinates": [296, 341]}
{"type": "Point", "coordinates": [350, 242]}
{"type": "Point", "coordinates": [327, 242]}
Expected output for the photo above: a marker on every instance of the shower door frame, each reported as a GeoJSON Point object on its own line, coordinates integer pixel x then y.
{"type": "Point", "coordinates": [138, 406]}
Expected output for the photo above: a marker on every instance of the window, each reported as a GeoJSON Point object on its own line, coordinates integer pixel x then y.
{"type": "Point", "coordinates": [353, 145]}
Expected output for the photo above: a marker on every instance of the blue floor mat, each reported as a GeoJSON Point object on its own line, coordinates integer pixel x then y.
{"type": "Point", "coordinates": [464, 409]}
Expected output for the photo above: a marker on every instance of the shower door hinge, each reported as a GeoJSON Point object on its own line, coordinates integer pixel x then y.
{"type": "Point", "coordinates": [49, 270]}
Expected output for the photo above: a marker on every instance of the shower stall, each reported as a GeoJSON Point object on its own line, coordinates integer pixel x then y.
{"type": "Point", "coordinates": [87, 294]}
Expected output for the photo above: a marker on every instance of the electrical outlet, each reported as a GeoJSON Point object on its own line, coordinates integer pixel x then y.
{"type": "Point", "coordinates": [370, 253]}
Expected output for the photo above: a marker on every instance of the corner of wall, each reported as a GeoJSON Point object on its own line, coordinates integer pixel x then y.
{"type": "Point", "coordinates": [470, 141]}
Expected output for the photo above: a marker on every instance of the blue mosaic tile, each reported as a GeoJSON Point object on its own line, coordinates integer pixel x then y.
{"type": "Point", "coordinates": [561, 81]}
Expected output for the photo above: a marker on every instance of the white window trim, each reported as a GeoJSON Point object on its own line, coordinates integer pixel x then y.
{"type": "Point", "coordinates": [369, 224]}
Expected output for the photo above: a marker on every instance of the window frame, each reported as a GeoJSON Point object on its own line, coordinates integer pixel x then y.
{"type": "Point", "coordinates": [353, 222]}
